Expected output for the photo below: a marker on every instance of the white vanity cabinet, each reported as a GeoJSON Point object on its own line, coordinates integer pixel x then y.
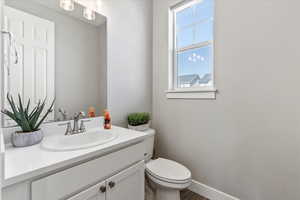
{"type": "Point", "coordinates": [117, 175]}
{"type": "Point", "coordinates": [127, 185]}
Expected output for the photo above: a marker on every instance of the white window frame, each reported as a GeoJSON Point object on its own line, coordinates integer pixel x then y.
{"type": "Point", "coordinates": [173, 92]}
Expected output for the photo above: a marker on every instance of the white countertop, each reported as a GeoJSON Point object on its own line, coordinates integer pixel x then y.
{"type": "Point", "coordinates": [22, 164]}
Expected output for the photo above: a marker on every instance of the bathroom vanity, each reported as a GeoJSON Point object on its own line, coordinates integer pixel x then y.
{"type": "Point", "coordinates": [112, 171]}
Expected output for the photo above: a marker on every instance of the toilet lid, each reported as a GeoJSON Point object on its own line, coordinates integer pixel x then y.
{"type": "Point", "coordinates": [168, 170]}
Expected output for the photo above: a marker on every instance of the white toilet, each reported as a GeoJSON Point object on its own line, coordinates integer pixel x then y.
{"type": "Point", "coordinates": [168, 177]}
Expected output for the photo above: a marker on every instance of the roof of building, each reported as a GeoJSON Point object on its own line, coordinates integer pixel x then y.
{"type": "Point", "coordinates": [188, 79]}
{"type": "Point", "coordinates": [194, 78]}
{"type": "Point", "coordinates": [205, 79]}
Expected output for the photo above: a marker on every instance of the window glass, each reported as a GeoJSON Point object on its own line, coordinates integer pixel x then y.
{"type": "Point", "coordinates": [193, 67]}
{"type": "Point", "coordinates": [185, 37]}
{"type": "Point", "coordinates": [194, 45]}
{"type": "Point", "coordinates": [204, 10]}
{"type": "Point", "coordinates": [204, 32]}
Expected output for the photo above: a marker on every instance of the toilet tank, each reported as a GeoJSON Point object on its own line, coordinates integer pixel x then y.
{"type": "Point", "coordinates": [149, 144]}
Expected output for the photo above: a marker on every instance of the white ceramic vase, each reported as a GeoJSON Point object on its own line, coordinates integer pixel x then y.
{"type": "Point", "coordinates": [143, 127]}
{"type": "Point", "coordinates": [19, 139]}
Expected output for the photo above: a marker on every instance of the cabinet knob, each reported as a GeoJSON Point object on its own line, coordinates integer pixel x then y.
{"type": "Point", "coordinates": [102, 189]}
{"type": "Point", "coordinates": [111, 184]}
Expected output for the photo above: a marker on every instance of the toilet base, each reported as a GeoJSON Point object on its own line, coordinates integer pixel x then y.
{"type": "Point", "coordinates": [167, 194]}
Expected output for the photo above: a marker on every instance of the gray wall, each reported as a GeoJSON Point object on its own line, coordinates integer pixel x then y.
{"type": "Point", "coordinates": [80, 65]}
{"type": "Point", "coordinates": [247, 142]}
{"type": "Point", "coordinates": [129, 53]}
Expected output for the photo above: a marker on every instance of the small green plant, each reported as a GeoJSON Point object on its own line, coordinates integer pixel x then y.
{"type": "Point", "coordinates": [28, 121]}
{"type": "Point", "coordinates": [136, 119]}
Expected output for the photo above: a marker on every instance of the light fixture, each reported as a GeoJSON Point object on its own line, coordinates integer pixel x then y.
{"type": "Point", "coordinates": [89, 14]}
{"type": "Point", "coordinates": [98, 3]}
{"type": "Point", "coordinates": [68, 5]}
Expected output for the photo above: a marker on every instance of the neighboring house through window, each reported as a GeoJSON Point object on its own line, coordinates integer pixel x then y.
{"type": "Point", "coordinates": [192, 63]}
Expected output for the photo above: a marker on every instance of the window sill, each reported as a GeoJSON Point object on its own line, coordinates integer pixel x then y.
{"type": "Point", "coordinates": [191, 94]}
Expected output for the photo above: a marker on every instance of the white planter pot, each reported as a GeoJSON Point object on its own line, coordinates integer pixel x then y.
{"type": "Point", "coordinates": [143, 127]}
{"type": "Point", "coordinates": [19, 139]}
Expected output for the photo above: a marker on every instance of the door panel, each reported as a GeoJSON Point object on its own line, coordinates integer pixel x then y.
{"type": "Point", "coordinates": [33, 76]}
{"type": "Point", "coordinates": [40, 78]}
{"type": "Point", "coordinates": [93, 193]}
{"type": "Point", "coordinates": [127, 185]}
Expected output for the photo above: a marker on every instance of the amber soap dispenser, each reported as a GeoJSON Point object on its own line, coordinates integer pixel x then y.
{"type": "Point", "coordinates": [107, 120]}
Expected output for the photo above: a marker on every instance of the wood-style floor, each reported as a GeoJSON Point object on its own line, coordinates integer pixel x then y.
{"type": "Point", "coordinates": [188, 195]}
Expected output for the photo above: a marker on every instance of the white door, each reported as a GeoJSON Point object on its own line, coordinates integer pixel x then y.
{"type": "Point", "coordinates": [1, 134]}
{"type": "Point", "coordinates": [33, 75]}
{"type": "Point", "coordinates": [96, 192]}
{"type": "Point", "coordinates": [127, 185]}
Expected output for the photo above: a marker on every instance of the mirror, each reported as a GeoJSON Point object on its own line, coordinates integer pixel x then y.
{"type": "Point", "coordinates": [54, 53]}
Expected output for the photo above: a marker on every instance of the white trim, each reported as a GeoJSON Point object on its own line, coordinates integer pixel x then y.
{"type": "Point", "coordinates": [171, 49]}
{"type": "Point", "coordinates": [2, 146]}
{"type": "Point", "coordinates": [194, 89]}
{"type": "Point", "coordinates": [194, 46]}
{"type": "Point", "coordinates": [185, 4]}
{"type": "Point", "coordinates": [191, 94]}
{"type": "Point", "coordinates": [202, 21]}
{"type": "Point", "coordinates": [209, 192]}
{"type": "Point", "coordinates": [2, 157]}
{"type": "Point", "coordinates": [174, 53]}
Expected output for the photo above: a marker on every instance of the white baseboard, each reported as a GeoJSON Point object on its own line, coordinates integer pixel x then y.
{"type": "Point", "coordinates": [209, 192]}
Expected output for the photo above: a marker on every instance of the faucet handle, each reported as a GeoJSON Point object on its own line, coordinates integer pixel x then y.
{"type": "Point", "coordinates": [82, 126]}
{"type": "Point", "coordinates": [64, 113]}
{"type": "Point", "coordinates": [79, 114]}
{"type": "Point", "coordinates": [69, 128]}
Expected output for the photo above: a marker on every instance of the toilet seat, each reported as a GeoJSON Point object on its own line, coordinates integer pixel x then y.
{"type": "Point", "coordinates": [168, 173]}
{"type": "Point", "coordinates": [169, 185]}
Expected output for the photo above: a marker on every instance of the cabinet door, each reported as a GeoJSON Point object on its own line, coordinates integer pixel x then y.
{"type": "Point", "coordinates": [96, 192]}
{"type": "Point", "coordinates": [127, 185]}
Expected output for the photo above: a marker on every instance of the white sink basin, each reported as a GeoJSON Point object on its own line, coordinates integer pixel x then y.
{"type": "Point", "coordinates": [80, 141]}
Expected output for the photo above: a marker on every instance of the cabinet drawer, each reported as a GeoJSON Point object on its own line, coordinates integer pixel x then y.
{"type": "Point", "coordinates": [70, 181]}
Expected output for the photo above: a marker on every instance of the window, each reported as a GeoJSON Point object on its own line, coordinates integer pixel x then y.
{"type": "Point", "coordinates": [191, 72]}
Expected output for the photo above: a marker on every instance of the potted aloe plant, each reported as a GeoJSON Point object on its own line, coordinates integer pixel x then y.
{"type": "Point", "coordinates": [28, 121]}
{"type": "Point", "coordinates": [139, 121]}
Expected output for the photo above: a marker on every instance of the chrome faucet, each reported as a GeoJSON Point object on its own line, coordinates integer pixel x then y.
{"type": "Point", "coordinates": [76, 129]}
{"type": "Point", "coordinates": [76, 122]}
{"type": "Point", "coordinates": [69, 129]}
